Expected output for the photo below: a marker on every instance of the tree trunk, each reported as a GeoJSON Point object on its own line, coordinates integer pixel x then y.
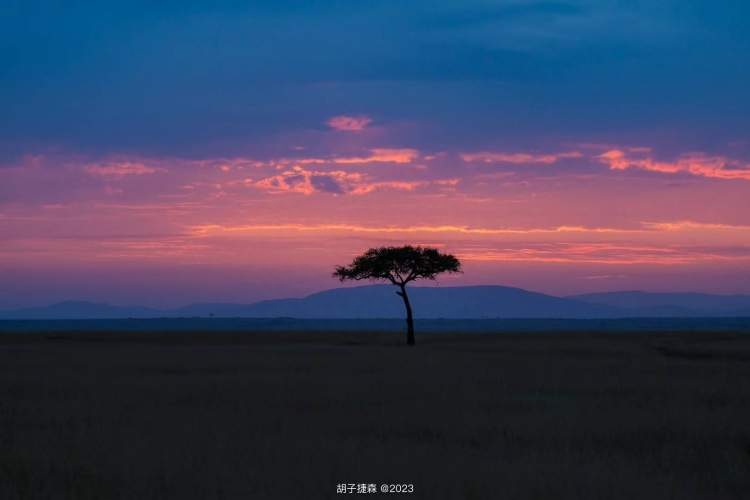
{"type": "Point", "coordinates": [409, 318]}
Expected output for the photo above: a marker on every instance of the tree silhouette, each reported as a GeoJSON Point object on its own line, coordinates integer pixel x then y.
{"type": "Point", "coordinates": [399, 265]}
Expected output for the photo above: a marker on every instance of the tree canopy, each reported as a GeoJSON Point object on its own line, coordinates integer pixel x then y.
{"type": "Point", "coordinates": [399, 265]}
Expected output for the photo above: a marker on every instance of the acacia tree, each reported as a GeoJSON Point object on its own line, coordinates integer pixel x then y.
{"type": "Point", "coordinates": [399, 265]}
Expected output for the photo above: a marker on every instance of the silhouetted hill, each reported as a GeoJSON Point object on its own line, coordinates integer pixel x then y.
{"type": "Point", "coordinates": [467, 302]}
{"type": "Point", "coordinates": [671, 304]}
{"type": "Point", "coordinates": [381, 301]}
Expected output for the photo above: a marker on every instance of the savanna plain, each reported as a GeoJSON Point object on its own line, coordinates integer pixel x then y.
{"type": "Point", "coordinates": [257, 415]}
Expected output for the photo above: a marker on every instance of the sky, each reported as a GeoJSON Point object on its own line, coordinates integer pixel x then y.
{"type": "Point", "coordinates": [175, 152]}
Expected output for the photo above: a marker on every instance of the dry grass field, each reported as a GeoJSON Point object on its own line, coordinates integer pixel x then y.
{"type": "Point", "coordinates": [291, 415]}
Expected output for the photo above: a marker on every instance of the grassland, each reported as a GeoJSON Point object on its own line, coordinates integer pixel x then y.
{"type": "Point", "coordinates": [291, 415]}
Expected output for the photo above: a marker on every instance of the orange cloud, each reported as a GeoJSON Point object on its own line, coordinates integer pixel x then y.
{"type": "Point", "coordinates": [381, 155]}
{"type": "Point", "coordinates": [688, 225]}
{"type": "Point", "coordinates": [376, 155]}
{"type": "Point", "coordinates": [519, 158]}
{"type": "Point", "coordinates": [346, 123]}
{"type": "Point", "coordinates": [508, 243]}
{"type": "Point", "coordinates": [698, 164]}
{"type": "Point", "coordinates": [605, 253]}
{"type": "Point", "coordinates": [446, 229]}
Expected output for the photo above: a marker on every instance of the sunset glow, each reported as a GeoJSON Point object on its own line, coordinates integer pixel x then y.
{"type": "Point", "coordinates": [255, 184]}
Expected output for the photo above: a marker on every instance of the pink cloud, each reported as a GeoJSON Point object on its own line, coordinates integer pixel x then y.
{"type": "Point", "coordinates": [300, 180]}
{"type": "Point", "coordinates": [121, 169]}
{"type": "Point", "coordinates": [519, 158]}
{"type": "Point", "coordinates": [698, 164]}
{"type": "Point", "coordinates": [447, 182]}
{"type": "Point", "coordinates": [346, 123]}
{"type": "Point", "coordinates": [605, 147]}
{"type": "Point", "coordinates": [367, 188]}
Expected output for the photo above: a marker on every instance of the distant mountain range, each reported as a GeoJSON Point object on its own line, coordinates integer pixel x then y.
{"type": "Point", "coordinates": [467, 302]}
{"type": "Point", "coordinates": [649, 304]}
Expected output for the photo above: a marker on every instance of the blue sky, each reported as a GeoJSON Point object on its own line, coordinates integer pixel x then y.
{"type": "Point", "coordinates": [189, 79]}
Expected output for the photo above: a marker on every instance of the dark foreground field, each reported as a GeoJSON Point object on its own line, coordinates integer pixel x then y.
{"type": "Point", "coordinates": [283, 415]}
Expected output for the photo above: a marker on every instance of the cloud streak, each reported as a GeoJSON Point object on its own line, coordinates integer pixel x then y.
{"type": "Point", "coordinates": [519, 158]}
{"type": "Point", "coordinates": [121, 169]}
{"type": "Point", "coordinates": [697, 164]}
{"type": "Point", "coordinates": [643, 228]}
{"type": "Point", "coordinates": [609, 255]}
